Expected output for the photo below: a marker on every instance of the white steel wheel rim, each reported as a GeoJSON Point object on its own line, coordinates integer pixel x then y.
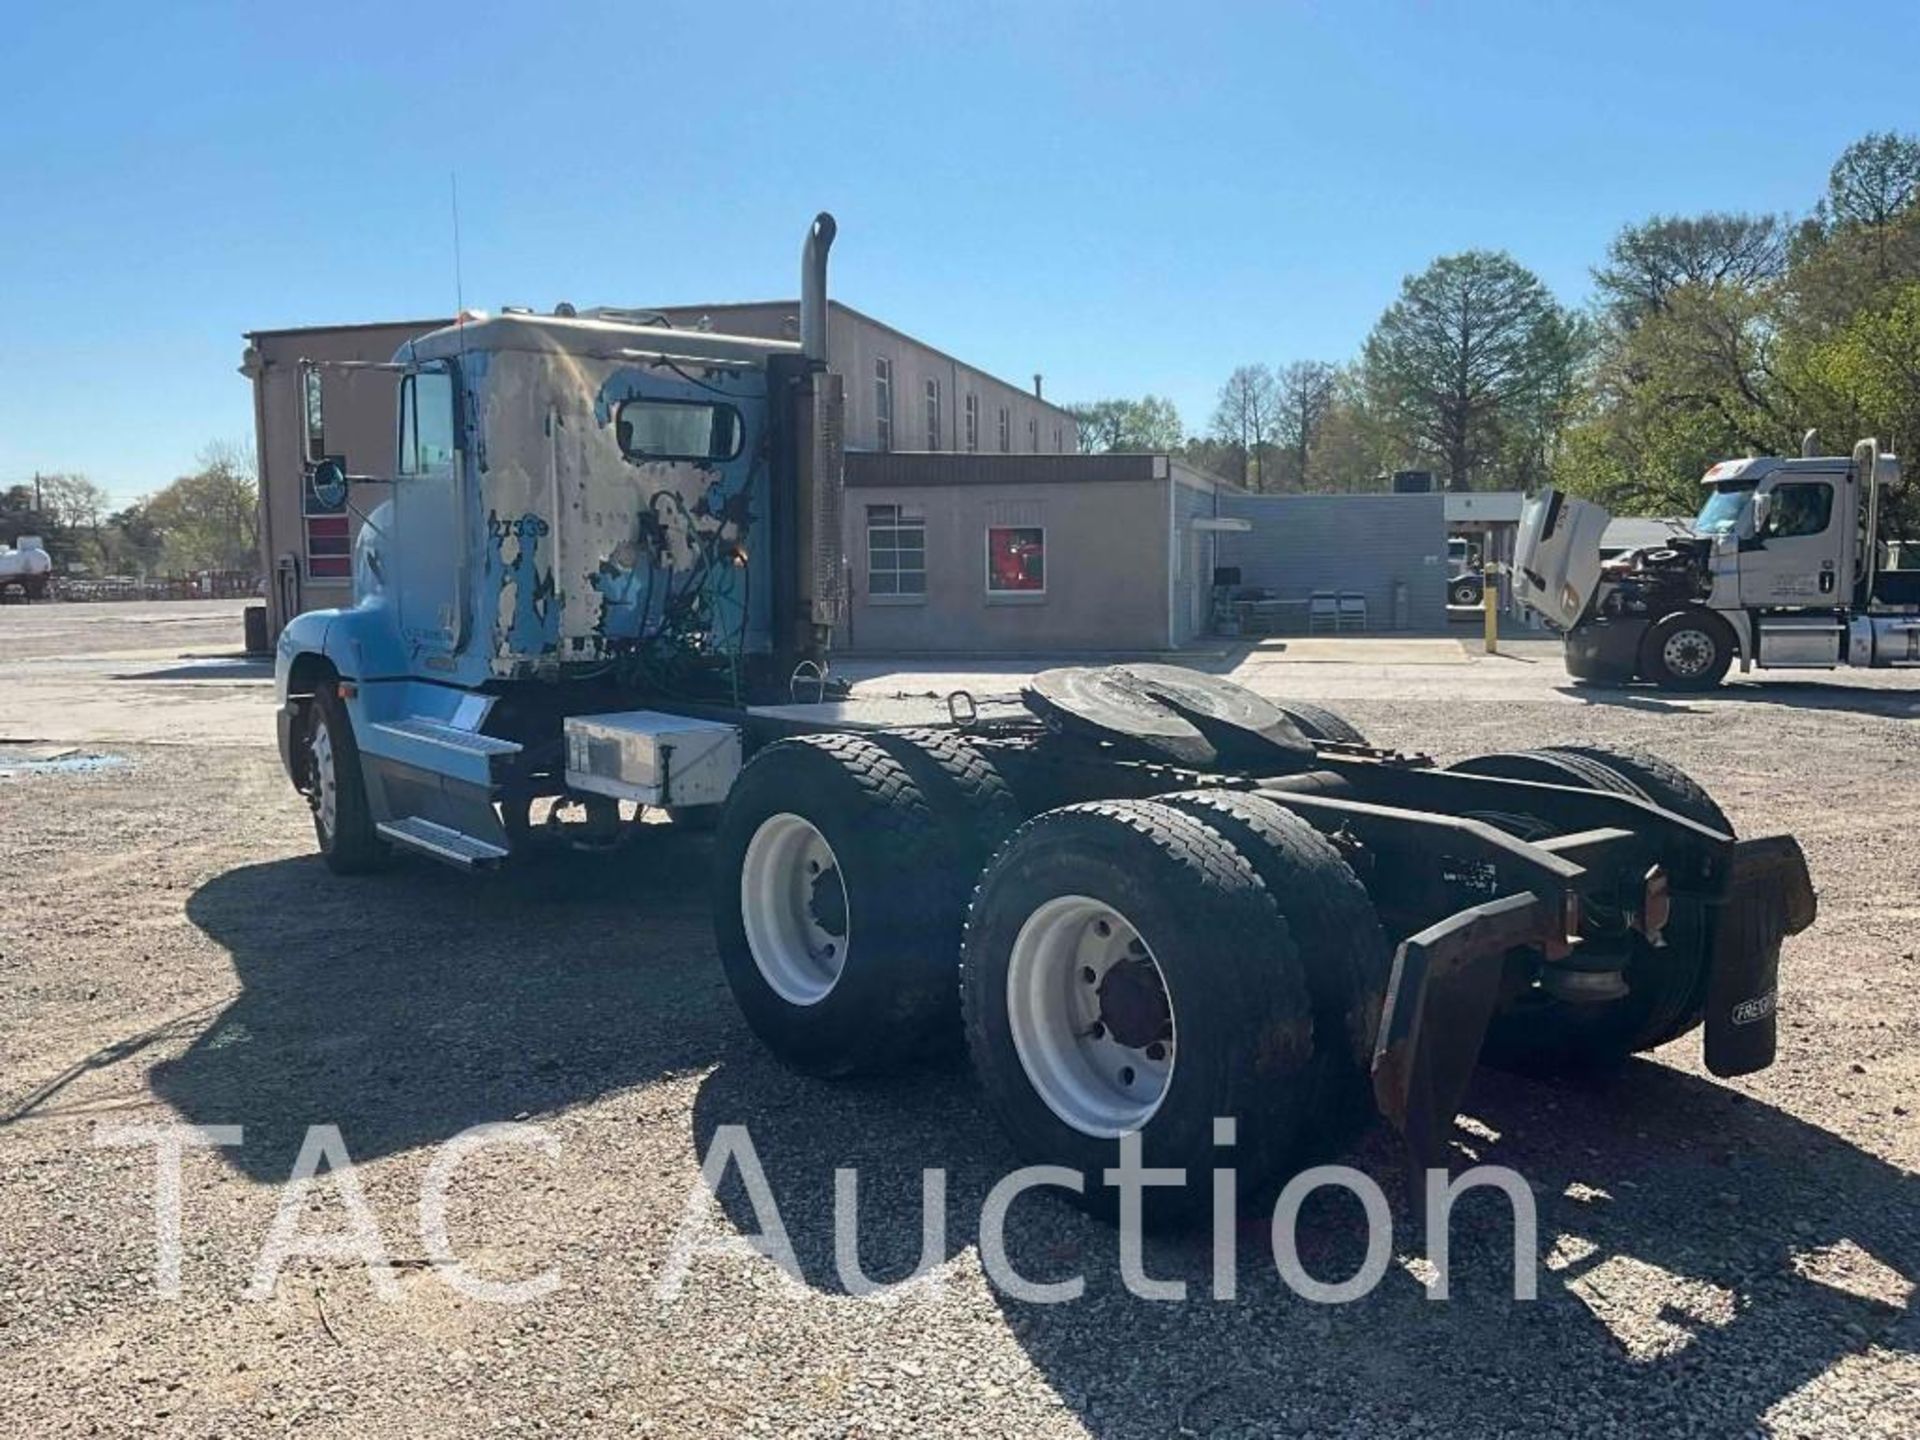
{"type": "Point", "coordinates": [326, 790]}
{"type": "Point", "coordinates": [1102, 1080]}
{"type": "Point", "coordinates": [793, 904]}
{"type": "Point", "coordinates": [1689, 652]}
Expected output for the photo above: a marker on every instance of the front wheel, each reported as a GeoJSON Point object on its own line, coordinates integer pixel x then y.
{"type": "Point", "coordinates": [337, 791]}
{"type": "Point", "coordinates": [1688, 650]}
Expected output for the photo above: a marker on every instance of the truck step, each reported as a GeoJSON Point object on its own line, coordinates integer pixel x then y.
{"type": "Point", "coordinates": [442, 842]}
{"type": "Point", "coordinates": [438, 732]}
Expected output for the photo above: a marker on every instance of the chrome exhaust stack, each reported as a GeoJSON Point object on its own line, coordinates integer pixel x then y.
{"type": "Point", "coordinates": [813, 287]}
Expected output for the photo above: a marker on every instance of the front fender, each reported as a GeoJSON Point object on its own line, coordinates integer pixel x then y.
{"type": "Point", "coordinates": [304, 635]}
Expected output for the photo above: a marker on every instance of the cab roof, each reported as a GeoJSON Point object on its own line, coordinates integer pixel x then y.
{"type": "Point", "coordinates": [593, 337]}
{"type": "Point", "coordinates": [1756, 468]}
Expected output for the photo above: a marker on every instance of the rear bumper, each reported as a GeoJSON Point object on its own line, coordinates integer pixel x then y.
{"type": "Point", "coordinates": [1445, 984]}
{"type": "Point", "coordinates": [1605, 651]}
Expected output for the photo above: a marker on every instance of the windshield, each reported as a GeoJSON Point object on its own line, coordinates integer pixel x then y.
{"type": "Point", "coordinates": [1722, 510]}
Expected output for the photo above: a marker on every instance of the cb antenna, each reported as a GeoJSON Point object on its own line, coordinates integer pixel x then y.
{"type": "Point", "coordinates": [459, 290]}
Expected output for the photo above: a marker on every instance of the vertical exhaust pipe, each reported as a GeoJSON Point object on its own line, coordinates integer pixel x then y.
{"type": "Point", "coordinates": [813, 287]}
{"type": "Point", "coordinates": [1866, 468]}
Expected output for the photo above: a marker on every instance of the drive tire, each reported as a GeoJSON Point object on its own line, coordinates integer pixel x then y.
{"type": "Point", "coordinates": [969, 797]}
{"type": "Point", "coordinates": [1690, 650]}
{"type": "Point", "coordinates": [1317, 722]}
{"type": "Point", "coordinates": [342, 818]}
{"type": "Point", "coordinates": [1241, 1022]}
{"type": "Point", "coordinates": [1684, 1007]}
{"type": "Point", "coordinates": [1330, 919]}
{"type": "Point", "coordinates": [881, 1000]}
{"type": "Point", "coordinates": [1542, 1035]}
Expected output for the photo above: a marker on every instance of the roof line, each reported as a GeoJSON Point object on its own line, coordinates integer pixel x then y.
{"type": "Point", "coordinates": [894, 330]}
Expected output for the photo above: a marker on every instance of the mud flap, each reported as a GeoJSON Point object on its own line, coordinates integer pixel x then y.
{"type": "Point", "coordinates": [1440, 1000]}
{"type": "Point", "coordinates": [1768, 896]}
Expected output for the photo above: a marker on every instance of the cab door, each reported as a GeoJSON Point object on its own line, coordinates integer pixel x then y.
{"type": "Point", "coordinates": [1792, 553]}
{"type": "Point", "coordinates": [430, 543]}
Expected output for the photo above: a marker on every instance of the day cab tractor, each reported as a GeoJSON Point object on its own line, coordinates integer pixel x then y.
{"type": "Point", "coordinates": [604, 585]}
{"type": "Point", "coordinates": [1788, 564]}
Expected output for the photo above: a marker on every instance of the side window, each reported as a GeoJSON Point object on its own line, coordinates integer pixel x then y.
{"type": "Point", "coordinates": [1801, 508]}
{"type": "Point", "coordinates": [426, 423]}
{"type": "Point", "coordinates": [883, 401]}
{"type": "Point", "coordinates": [677, 430]}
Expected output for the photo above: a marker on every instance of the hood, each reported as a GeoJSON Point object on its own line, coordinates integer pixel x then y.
{"type": "Point", "coordinates": [1556, 559]}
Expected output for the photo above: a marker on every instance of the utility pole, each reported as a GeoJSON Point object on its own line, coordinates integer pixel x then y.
{"type": "Point", "coordinates": [36, 494]}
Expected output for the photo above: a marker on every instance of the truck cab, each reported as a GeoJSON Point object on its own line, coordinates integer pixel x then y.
{"type": "Point", "coordinates": [583, 508]}
{"type": "Point", "coordinates": [1784, 565]}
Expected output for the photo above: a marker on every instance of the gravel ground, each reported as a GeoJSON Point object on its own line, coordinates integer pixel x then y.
{"type": "Point", "coordinates": [1721, 1259]}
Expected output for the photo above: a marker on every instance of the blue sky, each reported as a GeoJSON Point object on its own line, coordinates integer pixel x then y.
{"type": "Point", "coordinates": [1126, 197]}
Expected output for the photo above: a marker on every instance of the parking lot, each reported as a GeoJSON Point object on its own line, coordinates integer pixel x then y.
{"type": "Point", "coordinates": [1720, 1258]}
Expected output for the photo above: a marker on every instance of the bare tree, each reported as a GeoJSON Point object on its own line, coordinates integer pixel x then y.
{"type": "Point", "coordinates": [1647, 263]}
{"type": "Point", "coordinates": [1303, 395]}
{"type": "Point", "coordinates": [1244, 418]}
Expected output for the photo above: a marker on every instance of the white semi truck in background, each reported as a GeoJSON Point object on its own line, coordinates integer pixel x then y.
{"type": "Point", "coordinates": [25, 567]}
{"type": "Point", "coordinates": [1786, 565]}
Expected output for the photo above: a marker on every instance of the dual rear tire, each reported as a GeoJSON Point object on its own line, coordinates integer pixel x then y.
{"type": "Point", "coordinates": [1123, 966]}
{"type": "Point", "coordinates": [1666, 986]}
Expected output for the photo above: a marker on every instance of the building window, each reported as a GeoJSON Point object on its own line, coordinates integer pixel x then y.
{"type": "Point", "coordinates": [883, 402]}
{"type": "Point", "coordinates": [1006, 431]}
{"type": "Point", "coordinates": [1033, 434]}
{"type": "Point", "coordinates": [973, 422]}
{"type": "Point", "coordinates": [933, 414]}
{"type": "Point", "coordinates": [1059, 442]}
{"type": "Point", "coordinates": [896, 551]}
{"type": "Point", "coordinates": [329, 541]}
{"type": "Point", "coordinates": [1016, 560]}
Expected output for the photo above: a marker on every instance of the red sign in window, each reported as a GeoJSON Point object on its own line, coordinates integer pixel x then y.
{"type": "Point", "coordinates": [1016, 559]}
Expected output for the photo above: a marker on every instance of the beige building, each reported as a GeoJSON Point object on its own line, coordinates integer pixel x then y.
{"type": "Point", "coordinates": [1028, 554]}
{"type": "Point", "coordinates": [306, 549]}
{"type": "Point", "coordinates": [902, 395]}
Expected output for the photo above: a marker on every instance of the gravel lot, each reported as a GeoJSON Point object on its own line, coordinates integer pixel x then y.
{"type": "Point", "coordinates": [1722, 1259]}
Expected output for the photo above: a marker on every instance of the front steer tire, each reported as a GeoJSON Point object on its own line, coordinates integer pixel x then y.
{"type": "Point", "coordinates": [1688, 650]}
{"type": "Point", "coordinates": [837, 907]}
{"type": "Point", "coordinates": [1238, 1019]}
{"type": "Point", "coordinates": [337, 789]}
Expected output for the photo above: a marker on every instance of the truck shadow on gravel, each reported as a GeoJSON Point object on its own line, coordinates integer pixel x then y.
{"type": "Point", "coordinates": [406, 1006]}
{"type": "Point", "coordinates": [1794, 694]}
{"type": "Point", "coordinates": [1698, 1251]}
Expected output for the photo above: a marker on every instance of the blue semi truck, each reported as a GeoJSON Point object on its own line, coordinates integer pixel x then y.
{"type": "Point", "coordinates": [602, 593]}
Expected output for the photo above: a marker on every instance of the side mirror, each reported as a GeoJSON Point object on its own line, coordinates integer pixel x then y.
{"type": "Point", "coordinates": [327, 483]}
{"type": "Point", "coordinates": [1762, 508]}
